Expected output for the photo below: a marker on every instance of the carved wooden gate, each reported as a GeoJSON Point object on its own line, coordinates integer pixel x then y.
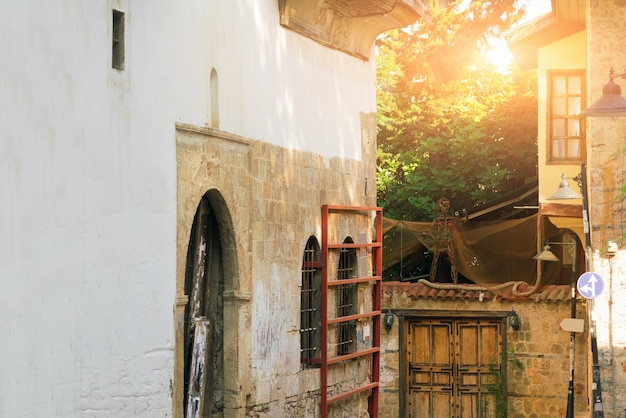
{"type": "Point", "coordinates": [454, 367]}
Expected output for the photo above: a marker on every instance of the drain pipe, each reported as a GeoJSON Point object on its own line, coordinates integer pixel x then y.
{"type": "Point", "coordinates": [611, 251]}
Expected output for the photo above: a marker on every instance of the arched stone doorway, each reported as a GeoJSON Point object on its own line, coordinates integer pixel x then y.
{"type": "Point", "coordinates": [207, 263]}
{"type": "Point", "coordinates": [210, 162]}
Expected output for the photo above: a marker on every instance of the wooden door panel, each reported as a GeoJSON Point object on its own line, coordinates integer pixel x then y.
{"type": "Point", "coordinates": [419, 343]}
{"type": "Point", "coordinates": [430, 343]}
{"type": "Point", "coordinates": [436, 404]}
{"type": "Point", "coordinates": [467, 345]}
{"type": "Point", "coordinates": [441, 345]}
{"type": "Point", "coordinates": [480, 352]}
{"type": "Point", "coordinates": [468, 378]}
{"type": "Point", "coordinates": [451, 365]}
{"type": "Point", "coordinates": [429, 355]}
{"type": "Point", "coordinates": [488, 404]}
{"type": "Point", "coordinates": [442, 405]}
{"type": "Point", "coordinates": [442, 378]}
{"type": "Point", "coordinates": [430, 369]}
{"type": "Point", "coordinates": [477, 405]}
{"type": "Point", "coordinates": [469, 405]}
{"type": "Point", "coordinates": [419, 404]}
{"type": "Point", "coordinates": [489, 343]}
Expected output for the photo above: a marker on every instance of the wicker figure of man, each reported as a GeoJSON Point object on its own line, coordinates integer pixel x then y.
{"type": "Point", "coordinates": [441, 232]}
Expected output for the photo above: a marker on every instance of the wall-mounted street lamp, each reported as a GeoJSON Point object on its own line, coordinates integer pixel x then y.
{"type": "Point", "coordinates": [388, 320]}
{"type": "Point", "coordinates": [513, 320]}
{"type": "Point", "coordinates": [546, 254]}
{"type": "Point", "coordinates": [564, 191]}
{"type": "Point", "coordinates": [611, 103]}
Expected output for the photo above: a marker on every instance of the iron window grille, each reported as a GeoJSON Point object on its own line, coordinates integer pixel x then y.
{"type": "Point", "coordinates": [346, 301]}
{"type": "Point", "coordinates": [310, 300]}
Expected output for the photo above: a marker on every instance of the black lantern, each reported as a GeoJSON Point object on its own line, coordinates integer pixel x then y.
{"type": "Point", "coordinates": [388, 320]}
{"type": "Point", "coordinates": [514, 320]}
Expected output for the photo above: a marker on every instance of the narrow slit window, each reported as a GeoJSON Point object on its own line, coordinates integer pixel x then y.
{"type": "Point", "coordinates": [346, 301]}
{"type": "Point", "coordinates": [117, 57]}
{"type": "Point", "coordinates": [310, 301]}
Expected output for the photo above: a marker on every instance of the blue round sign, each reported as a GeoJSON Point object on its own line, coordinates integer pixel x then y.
{"type": "Point", "coordinates": [590, 285]}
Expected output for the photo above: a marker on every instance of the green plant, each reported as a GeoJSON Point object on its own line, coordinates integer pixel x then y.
{"type": "Point", "coordinates": [450, 123]}
{"type": "Point", "coordinates": [496, 385]}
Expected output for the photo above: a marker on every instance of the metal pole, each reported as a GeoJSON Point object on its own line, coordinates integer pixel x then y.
{"type": "Point", "coordinates": [572, 345]}
{"type": "Point", "coordinates": [598, 408]}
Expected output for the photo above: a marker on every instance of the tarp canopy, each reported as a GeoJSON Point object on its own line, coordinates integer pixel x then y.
{"type": "Point", "coordinates": [497, 255]}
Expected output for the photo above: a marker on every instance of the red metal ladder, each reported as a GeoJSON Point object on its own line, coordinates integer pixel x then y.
{"type": "Point", "coordinates": [374, 249]}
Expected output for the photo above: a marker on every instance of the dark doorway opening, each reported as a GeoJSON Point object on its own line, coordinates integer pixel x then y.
{"type": "Point", "coordinates": [204, 319]}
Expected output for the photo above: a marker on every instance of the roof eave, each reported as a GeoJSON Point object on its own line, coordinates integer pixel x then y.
{"type": "Point", "coordinates": [525, 41]}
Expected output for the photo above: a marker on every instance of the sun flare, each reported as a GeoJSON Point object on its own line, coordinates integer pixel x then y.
{"type": "Point", "coordinates": [498, 54]}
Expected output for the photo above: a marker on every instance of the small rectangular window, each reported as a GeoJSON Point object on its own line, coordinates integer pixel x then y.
{"type": "Point", "coordinates": [117, 57]}
{"type": "Point", "coordinates": [565, 135]}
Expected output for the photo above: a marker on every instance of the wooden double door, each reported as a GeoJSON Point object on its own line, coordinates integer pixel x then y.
{"type": "Point", "coordinates": [454, 368]}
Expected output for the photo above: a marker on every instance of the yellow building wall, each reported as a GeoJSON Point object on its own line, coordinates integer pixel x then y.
{"type": "Point", "coordinates": [566, 54]}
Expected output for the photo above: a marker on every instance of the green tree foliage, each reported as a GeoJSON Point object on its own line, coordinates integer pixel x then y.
{"type": "Point", "coordinates": [449, 123]}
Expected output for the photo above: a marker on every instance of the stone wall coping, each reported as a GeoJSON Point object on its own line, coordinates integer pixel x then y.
{"type": "Point", "coordinates": [425, 290]}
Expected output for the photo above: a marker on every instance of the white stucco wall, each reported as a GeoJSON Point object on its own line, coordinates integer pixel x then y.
{"type": "Point", "coordinates": [88, 175]}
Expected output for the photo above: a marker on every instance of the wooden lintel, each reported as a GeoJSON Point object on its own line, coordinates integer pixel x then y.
{"type": "Point", "coordinates": [555, 209]}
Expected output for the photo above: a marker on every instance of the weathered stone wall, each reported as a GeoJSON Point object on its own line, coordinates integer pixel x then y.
{"type": "Point", "coordinates": [290, 188]}
{"type": "Point", "coordinates": [100, 189]}
{"type": "Point", "coordinates": [606, 145]}
{"type": "Point", "coordinates": [537, 389]}
{"type": "Point", "coordinates": [273, 196]}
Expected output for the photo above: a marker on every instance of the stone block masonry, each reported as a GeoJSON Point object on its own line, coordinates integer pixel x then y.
{"type": "Point", "coordinates": [538, 366]}
{"type": "Point", "coordinates": [273, 197]}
